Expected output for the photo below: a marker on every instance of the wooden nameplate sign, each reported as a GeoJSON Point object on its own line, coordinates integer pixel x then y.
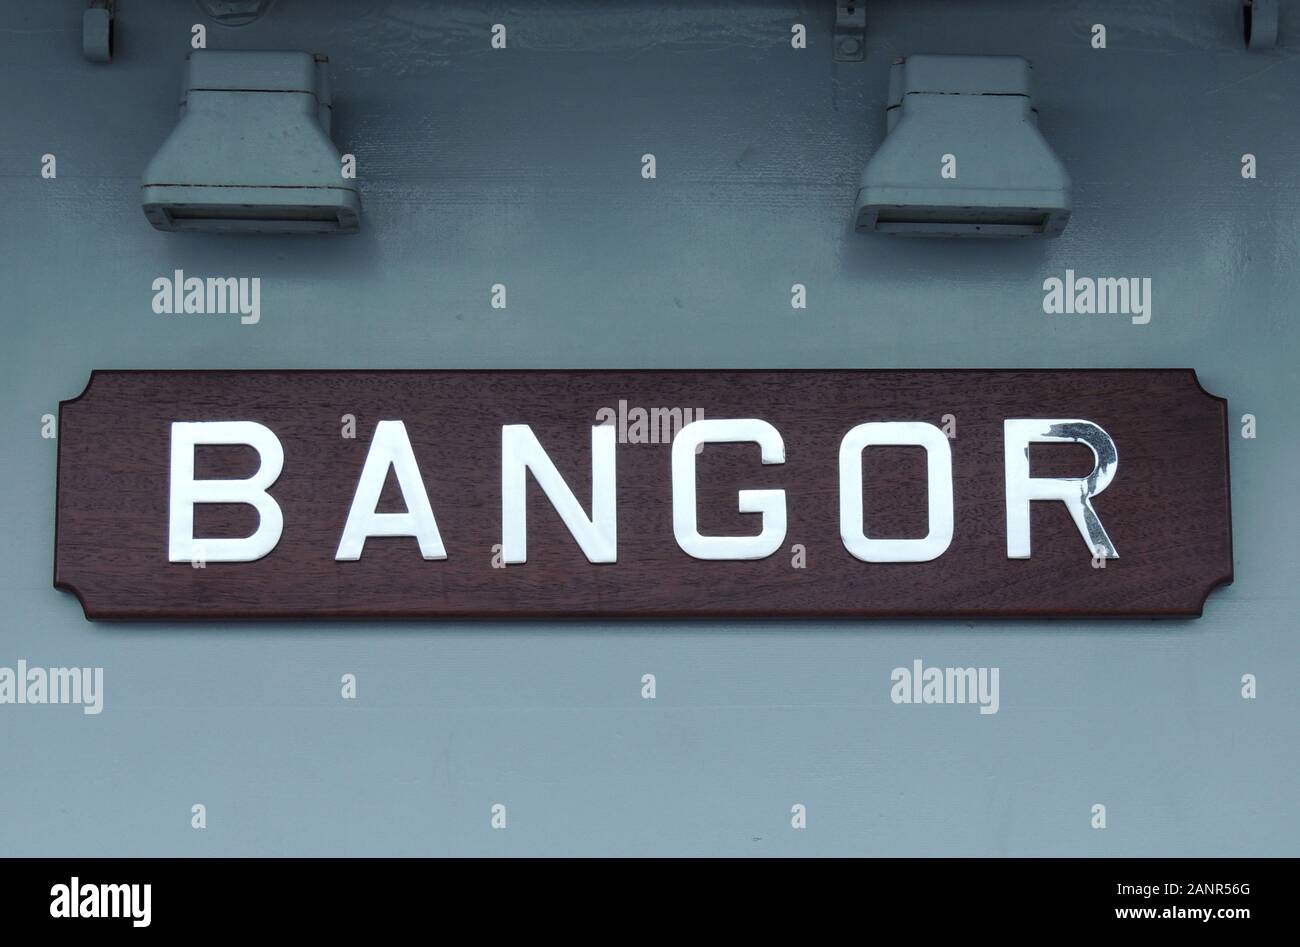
{"type": "Point", "coordinates": [642, 494]}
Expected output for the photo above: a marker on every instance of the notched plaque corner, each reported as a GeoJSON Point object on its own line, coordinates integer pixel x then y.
{"type": "Point", "coordinates": [1196, 380]}
{"type": "Point", "coordinates": [1222, 582]}
{"type": "Point", "coordinates": [63, 585]}
{"type": "Point", "coordinates": [95, 373]}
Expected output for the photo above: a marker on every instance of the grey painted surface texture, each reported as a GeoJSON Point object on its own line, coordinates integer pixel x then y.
{"type": "Point", "coordinates": [523, 167]}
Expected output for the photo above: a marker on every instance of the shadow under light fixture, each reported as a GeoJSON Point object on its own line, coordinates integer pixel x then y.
{"type": "Point", "coordinates": [252, 152]}
{"type": "Point", "coordinates": [962, 154]}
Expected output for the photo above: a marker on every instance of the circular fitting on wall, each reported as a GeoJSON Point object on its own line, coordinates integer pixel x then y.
{"type": "Point", "coordinates": [1260, 23]}
{"type": "Point", "coordinates": [234, 12]}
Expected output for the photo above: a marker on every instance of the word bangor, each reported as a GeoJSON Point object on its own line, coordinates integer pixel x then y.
{"type": "Point", "coordinates": [597, 534]}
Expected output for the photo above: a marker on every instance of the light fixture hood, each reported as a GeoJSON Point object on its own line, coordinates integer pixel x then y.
{"type": "Point", "coordinates": [252, 152]}
{"type": "Point", "coordinates": [962, 155]}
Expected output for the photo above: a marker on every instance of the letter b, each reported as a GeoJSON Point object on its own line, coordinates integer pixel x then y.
{"type": "Point", "coordinates": [186, 491]}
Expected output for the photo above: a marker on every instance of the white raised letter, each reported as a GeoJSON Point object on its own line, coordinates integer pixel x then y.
{"type": "Point", "coordinates": [521, 452]}
{"type": "Point", "coordinates": [770, 504]}
{"type": "Point", "coordinates": [186, 491]}
{"type": "Point", "coordinates": [390, 447]}
{"type": "Point", "coordinates": [938, 465]}
{"type": "Point", "coordinates": [1074, 492]}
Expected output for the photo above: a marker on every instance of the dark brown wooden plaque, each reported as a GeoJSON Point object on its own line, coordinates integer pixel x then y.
{"type": "Point", "coordinates": [1167, 509]}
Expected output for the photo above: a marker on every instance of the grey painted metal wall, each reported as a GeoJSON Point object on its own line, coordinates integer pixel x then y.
{"type": "Point", "coordinates": [522, 167]}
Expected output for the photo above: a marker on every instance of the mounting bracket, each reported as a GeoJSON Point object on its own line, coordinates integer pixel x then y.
{"type": "Point", "coordinates": [1260, 18]}
{"type": "Point", "coordinates": [97, 31]}
{"type": "Point", "coordinates": [850, 31]}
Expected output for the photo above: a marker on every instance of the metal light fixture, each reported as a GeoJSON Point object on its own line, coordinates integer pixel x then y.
{"type": "Point", "coordinates": [963, 156]}
{"type": "Point", "coordinates": [252, 151]}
